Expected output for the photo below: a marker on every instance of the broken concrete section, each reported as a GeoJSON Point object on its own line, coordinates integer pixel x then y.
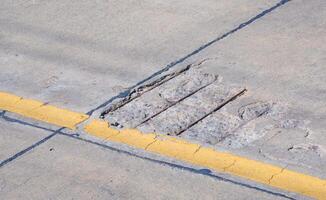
{"type": "Point", "coordinates": [160, 98]}
{"type": "Point", "coordinates": [192, 110]}
{"type": "Point", "coordinates": [273, 131]}
{"type": "Point", "coordinates": [241, 122]}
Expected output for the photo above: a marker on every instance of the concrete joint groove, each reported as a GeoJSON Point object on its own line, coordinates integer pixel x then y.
{"type": "Point", "coordinates": [192, 153]}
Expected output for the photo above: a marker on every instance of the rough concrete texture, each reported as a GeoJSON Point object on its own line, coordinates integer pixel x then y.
{"type": "Point", "coordinates": [281, 59]}
{"type": "Point", "coordinates": [241, 123]}
{"type": "Point", "coordinates": [78, 55]}
{"type": "Point", "coordinates": [185, 113]}
{"type": "Point", "coordinates": [238, 124]}
{"type": "Point", "coordinates": [160, 98]}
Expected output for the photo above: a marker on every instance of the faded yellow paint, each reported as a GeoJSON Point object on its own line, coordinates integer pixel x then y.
{"type": "Point", "coordinates": [130, 137]}
{"type": "Point", "coordinates": [253, 170]}
{"type": "Point", "coordinates": [57, 116]}
{"type": "Point", "coordinates": [25, 107]}
{"type": "Point", "coordinates": [213, 159]}
{"type": "Point", "coordinates": [40, 111]}
{"type": "Point", "coordinates": [101, 129]}
{"type": "Point", "coordinates": [8, 100]}
{"type": "Point", "coordinates": [301, 183]}
{"type": "Point", "coordinates": [133, 138]}
{"type": "Point", "coordinates": [174, 148]}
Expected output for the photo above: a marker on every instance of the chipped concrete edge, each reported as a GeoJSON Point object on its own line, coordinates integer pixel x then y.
{"type": "Point", "coordinates": [172, 147]}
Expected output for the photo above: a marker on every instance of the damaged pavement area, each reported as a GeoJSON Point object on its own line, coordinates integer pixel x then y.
{"type": "Point", "coordinates": [203, 108]}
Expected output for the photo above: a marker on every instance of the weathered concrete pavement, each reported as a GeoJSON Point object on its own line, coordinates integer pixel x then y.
{"type": "Point", "coordinates": [80, 55]}
{"type": "Point", "coordinates": [66, 168]}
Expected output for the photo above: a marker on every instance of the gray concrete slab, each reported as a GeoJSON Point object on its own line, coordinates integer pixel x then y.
{"type": "Point", "coordinates": [15, 137]}
{"type": "Point", "coordinates": [65, 168]}
{"type": "Point", "coordinates": [79, 54]}
{"type": "Point", "coordinates": [281, 59]}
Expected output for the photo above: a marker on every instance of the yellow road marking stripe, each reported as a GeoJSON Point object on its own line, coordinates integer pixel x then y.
{"type": "Point", "coordinates": [219, 161]}
{"type": "Point", "coordinates": [172, 147]}
{"type": "Point", "coordinates": [131, 137]}
{"type": "Point", "coordinates": [40, 111]}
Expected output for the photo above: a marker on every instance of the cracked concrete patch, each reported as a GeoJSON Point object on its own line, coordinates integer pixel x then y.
{"type": "Point", "coordinates": [247, 133]}
{"type": "Point", "coordinates": [237, 124]}
{"type": "Point", "coordinates": [195, 106]}
{"type": "Point", "coordinates": [291, 146]}
{"type": "Point", "coordinates": [184, 104]}
{"type": "Point", "coordinates": [254, 110]}
{"type": "Point", "coordinates": [214, 129]}
{"type": "Point", "coordinates": [159, 98]}
{"type": "Point", "coordinates": [187, 112]}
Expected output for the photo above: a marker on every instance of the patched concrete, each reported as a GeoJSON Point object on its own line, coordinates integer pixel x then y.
{"type": "Point", "coordinates": [238, 123]}
{"type": "Point", "coordinates": [77, 55]}
{"type": "Point", "coordinates": [279, 59]}
{"type": "Point", "coordinates": [181, 116]}
{"type": "Point", "coordinates": [174, 106]}
{"type": "Point", "coordinates": [160, 98]}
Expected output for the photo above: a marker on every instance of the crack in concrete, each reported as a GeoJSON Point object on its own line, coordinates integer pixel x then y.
{"type": "Point", "coordinates": [213, 111]}
{"type": "Point", "coordinates": [137, 92]}
{"type": "Point", "coordinates": [276, 174]}
{"type": "Point", "coordinates": [231, 165]}
{"type": "Point", "coordinates": [175, 103]}
{"type": "Point", "coordinates": [141, 90]}
{"type": "Point", "coordinates": [151, 143]}
{"type": "Point", "coordinates": [196, 51]}
{"type": "Point", "coordinates": [197, 150]}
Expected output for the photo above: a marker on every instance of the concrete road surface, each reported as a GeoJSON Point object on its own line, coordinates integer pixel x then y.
{"type": "Point", "coordinates": [87, 55]}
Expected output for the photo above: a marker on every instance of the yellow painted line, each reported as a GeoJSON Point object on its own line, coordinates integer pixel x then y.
{"type": "Point", "coordinates": [220, 161]}
{"type": "Point", "coordinates": [131, 137]}
{"type": "Point", "coordinates": [172, 147]}
{"type": "Point", "coordinates": [40, 111]}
